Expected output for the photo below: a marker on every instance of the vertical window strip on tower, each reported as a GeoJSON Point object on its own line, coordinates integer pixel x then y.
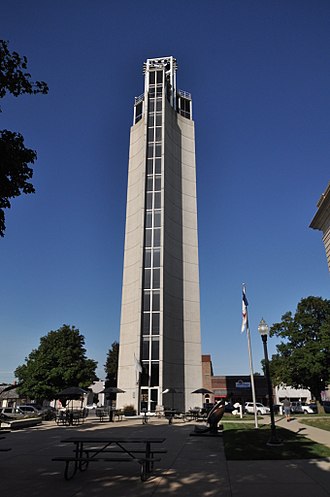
{"type": "Point", "coordinates": [152, 238]}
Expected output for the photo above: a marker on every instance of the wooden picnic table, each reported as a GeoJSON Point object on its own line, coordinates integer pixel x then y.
{"type": "Point", "coordinates": [91, 449]}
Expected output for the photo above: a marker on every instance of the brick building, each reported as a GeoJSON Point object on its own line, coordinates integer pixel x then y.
{"type": "Point", "coordinates": [232, 388]}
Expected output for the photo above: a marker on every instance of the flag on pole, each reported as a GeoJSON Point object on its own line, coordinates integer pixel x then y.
{"type": "Point", "coordinates": [138, 367]}
{"type": "Point", "coordinates": [245, 321]}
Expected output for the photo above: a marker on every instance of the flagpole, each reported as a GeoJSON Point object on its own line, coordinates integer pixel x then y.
{"type": "Point", "coordinates": [138, 371]}
{"type": "Point", "coordinates": [252, 378]}
{"type": "Point", "coordinates": [245, 325]}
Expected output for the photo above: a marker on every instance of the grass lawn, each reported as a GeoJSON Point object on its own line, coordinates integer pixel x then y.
{"type": "Point", "coordinates": [323, 423]}
{"type": "Point", "coordinates": [244, 442]}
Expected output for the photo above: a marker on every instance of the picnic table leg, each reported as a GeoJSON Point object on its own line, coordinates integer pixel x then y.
{"type": "Point", "coordinates": [81, 453]}
{"type": "Point", "coordinates": [146, 464]}
{"type": "Point", "coordinates": [67, 474]}
{"type": "Point", "coordinates": [144, 474]}
{"type": "Point", "coordinates": [148, 456]}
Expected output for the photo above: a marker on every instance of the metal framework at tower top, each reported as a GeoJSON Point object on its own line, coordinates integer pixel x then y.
{"type": "Point", "coordinates": [169, 67]}
{"type": "Point", "coordinates": [180, 100]}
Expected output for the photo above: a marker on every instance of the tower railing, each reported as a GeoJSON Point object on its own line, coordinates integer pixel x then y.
{"type": "Point", "coordinates": [185, 94]}
{"type": "Point", "coordinates": [139, 99]}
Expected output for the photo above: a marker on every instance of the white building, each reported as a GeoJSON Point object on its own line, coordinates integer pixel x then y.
{"type": "Point", "coordinates": [160, 344]}
{"type": "Point", "coordinates": [293, 394]}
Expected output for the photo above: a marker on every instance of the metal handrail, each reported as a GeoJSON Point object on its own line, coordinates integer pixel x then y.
{"type": "Point", "coordinates": [185, 94]}
{"type": "Point", "coordinates": [139, 99]}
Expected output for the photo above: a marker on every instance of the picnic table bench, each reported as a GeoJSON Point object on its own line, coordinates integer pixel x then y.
{"type": "Point", "coordinates": [94, 449]}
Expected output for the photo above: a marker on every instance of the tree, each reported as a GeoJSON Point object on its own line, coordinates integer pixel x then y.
{"type": "Point", "coordinates": [14, 156]}
{"type": "Point", "coordinates": [303, 357]}
{"type": "Point", "coordinates": [111, 365]}
{"type": "Point", "coordinates": [59, 362]}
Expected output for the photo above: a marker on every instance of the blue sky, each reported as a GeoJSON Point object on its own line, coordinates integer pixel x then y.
{"type": "Point", "coordinates": [259, 74]}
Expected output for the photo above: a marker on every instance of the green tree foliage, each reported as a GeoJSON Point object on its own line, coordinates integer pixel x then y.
{"type": "Point", "coordinates": [59, 362]}
{"type": "Point", "coordinates": [111, 365]}
{"type": "Point", "coordinates": [14, 170]}
{"type": "Point", "coordinates": [303, 356]}
{"type": "Point", "coordinates": [14, 77]}
{"type": "Point", "coordinates": [14, 156]}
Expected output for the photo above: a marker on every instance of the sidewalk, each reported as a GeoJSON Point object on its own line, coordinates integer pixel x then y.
{"type": "Point", "coordinates": [192, 467]}
{"type": "Point", "coordinates": [315, 434]}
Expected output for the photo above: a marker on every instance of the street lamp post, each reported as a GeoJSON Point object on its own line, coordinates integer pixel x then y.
{"type": "Point", "coordinates": [263, 330]}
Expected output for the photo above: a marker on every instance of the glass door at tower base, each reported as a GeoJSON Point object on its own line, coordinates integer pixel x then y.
{"type": "Point", "coordinates": [149, 399]}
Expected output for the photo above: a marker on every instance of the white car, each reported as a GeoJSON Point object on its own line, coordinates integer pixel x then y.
{"type": "Point", "coordinates": [30, 410]}
{"type": "Point", "coordinates": [261, 409]}
{"type": "Point", "coordinates": [301, 407]}
{"type": "Point", "coordinates": [11, 412]}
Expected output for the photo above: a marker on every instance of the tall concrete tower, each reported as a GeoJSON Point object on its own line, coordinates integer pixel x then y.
{"type": "Point", "coordinates": [160, 343]}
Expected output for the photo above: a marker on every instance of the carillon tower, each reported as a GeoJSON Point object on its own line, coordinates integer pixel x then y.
{"type": "Point", "coordinates": [160, 343]}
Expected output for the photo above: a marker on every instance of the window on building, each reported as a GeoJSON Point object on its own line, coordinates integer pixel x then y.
{"type": "Point", "coordinates": [149, 166]}
{"type": "Point", "coordinates": [148, 237]}
{"type": "Point", "coordinates": [147, 278]}
{"type": "Point", "coordinates": [158, 150]}
{"type": "Point", "coordinates": [156, 301]}
{"type": "Point", "coordinates": [146, 300]}
{"type": "Point", "coordinates": [155, 324]}
{"type": "Point", "coordinates": [149, 200]}
{"type": "Point", "coordinates": [158, 183]}
{"type": "Point", "coordinates": [157, 218]}
{"type": "Point", "coordinates": [154, 377]}
{"type": "Point", "coordinates": [145, 348]}
{"type": "Point", "coordinates": [157, 237]}
{"type": "Point", "coordinates": [146, 323]}
{"type": "Point", "coordinates": [152, 78]}
{"type": "Point", "coordinates": [157, 200]}
{"type": "Point", "coordinates": [149, 219]}
{"type": "Point", "coordinates": [150, 184]}
{"type": "Point", "coordinates": [156, 258]}
{"type": "Point", "coordinates": [155, 348]}
{"type": "Point", "coordinates": [138, 112]}
{"type": "Point", "coordinates": [158, 135]}
{"type": "Point", "coordinates": [156, 278]}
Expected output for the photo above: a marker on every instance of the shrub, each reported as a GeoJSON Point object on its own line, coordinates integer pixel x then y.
{"type": "Point", "coordinates": [129, 410]}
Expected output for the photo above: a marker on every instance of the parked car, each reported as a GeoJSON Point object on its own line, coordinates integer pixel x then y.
{"type": "Point", "coordinates": [302, 408]}
{"type": "Point", "coordinates": [12, 412]}
{"type": "Point", "coordinates": [296, 408]}
{"type": "Point", "coordinates": [30, 410]}
{"type": "Point", "coordinates": [326, 406]}
{"type": "Point", "coordinates": [309, 408]}
{"type": "Point", "coordinates": [261, 409]}
{"type": "Point", "coordinates": [47, 413]}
